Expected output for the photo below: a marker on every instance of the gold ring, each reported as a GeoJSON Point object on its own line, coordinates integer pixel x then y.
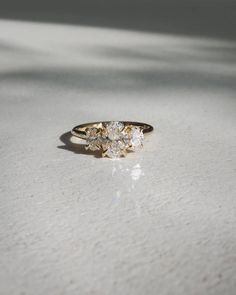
{"type": "Point", "coordinates": [113, 138]}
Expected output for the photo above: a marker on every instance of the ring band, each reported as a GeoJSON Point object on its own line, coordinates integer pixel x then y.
{"type": "Point", "coordinates": [114, 138]}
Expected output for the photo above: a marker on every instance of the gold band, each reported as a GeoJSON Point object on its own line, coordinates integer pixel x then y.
{"type": "Point", "coordinates": [80, 130]}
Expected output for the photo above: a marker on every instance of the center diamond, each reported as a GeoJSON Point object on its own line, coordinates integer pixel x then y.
{"type": "Point", "coordinates": [114, 130]}
{"type": "Point", "coordinates": [115, 146]}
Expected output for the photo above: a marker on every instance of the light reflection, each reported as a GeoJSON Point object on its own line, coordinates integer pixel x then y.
{"type": "Point", "coordinates": [126, 178]}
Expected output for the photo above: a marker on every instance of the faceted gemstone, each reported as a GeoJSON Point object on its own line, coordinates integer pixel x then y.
{"type": "Point", "coordinates": [126, 138]}
{"type": "Point", "coordinates": [104, 142]}
{"type": "Point", "coordinates": [115, 149]}
{"type": "Point", "coordinates": [137, 138]}
{"type": "Point", "coordinates": [114, 130]}
{"type": "Point", "coordinates": [92, 139]}
{"type": "Point", "coordinates": [114, 139]}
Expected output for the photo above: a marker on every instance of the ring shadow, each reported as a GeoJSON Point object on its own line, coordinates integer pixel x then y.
{"type": "Point", "coordinates": [76, 148]}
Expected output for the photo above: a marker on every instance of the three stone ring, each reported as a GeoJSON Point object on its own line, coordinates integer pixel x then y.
{"type": "Point", "coordinates": [113, 138]}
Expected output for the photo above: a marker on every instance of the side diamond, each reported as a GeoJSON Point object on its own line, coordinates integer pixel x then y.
{"type": "Point", "coordinates": [92, 139]}
{"type": "Point", "coordinates": [137, 138]}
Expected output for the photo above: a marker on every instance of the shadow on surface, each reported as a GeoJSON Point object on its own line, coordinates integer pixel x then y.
{"type": "Point", "coordinates": [90, 60]}
{"type": "Point", "coordinates": [143, 69]}
{"type": "Point", "coordinates": [191, 18]}
{"type": "Point", "coordinates": [76, 148]}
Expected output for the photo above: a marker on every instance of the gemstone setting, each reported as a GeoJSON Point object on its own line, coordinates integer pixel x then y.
{"type": "Point", "coordinates": [114, 139]}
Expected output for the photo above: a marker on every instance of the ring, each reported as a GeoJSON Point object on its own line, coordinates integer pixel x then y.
{"type": "Point", "coordinates": [113, 138]}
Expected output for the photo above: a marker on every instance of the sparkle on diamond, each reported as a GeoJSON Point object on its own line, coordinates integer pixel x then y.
{"type": "Point", "coordinates": [116, 149]}
{"type": "Point", "coordinates": [137, 138]}
{"type": "Point", "coordinates": [114, 130]}
{"type": "Point", "coordinates": [92, 139]}
{"type": "Point", "coordinates": [114, 139]}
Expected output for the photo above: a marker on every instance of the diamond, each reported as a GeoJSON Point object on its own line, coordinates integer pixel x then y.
{"type": "Point", "coordinates": [114, 139]}
{"type": "Point", "coordinates": [126, 137]}
{"type": "Point", "coordinates": [137, 138]}
{"type": "Point", "coordinates": [114, 130]}
{"type": "Point", "coordinates": [92, 139]}
{"type": "Point", "coordinates": [116, 149]}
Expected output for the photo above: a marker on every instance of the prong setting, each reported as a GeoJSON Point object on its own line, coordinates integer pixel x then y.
{"type": "Point", "coordinates": [114, 139]}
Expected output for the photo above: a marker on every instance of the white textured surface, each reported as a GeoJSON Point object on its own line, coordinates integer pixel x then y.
{"type": "Point", "coordinates": [161, 221]}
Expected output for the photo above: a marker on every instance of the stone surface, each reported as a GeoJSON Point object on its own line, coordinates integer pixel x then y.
{"type": "Point", "coordinates": [161, 221]}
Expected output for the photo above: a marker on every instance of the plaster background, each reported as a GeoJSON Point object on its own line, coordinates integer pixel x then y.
{"type": "Point", "coordinates": [161, 221]}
